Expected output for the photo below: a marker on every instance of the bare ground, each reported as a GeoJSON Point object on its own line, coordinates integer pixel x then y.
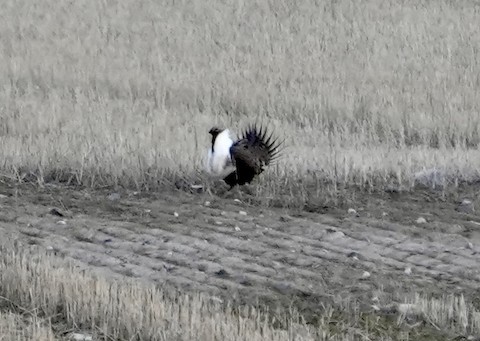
{"type": "Point", "coordinates": [234, 250]}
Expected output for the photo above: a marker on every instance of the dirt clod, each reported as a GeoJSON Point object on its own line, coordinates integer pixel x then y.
{"type": "Point", "coordinates": [56, 212]}
{"type": "Point", "coordinates": [466, 206]}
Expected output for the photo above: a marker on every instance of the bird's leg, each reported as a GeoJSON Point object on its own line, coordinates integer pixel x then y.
{"type": "Point", "coordinates": [236, 193]}
{"type": "Point", "coordinates": [209, 191]}
{"type": "Point", "coordinates": [248, 189]}
{"type": "Point", "coordinates": [208, 187]}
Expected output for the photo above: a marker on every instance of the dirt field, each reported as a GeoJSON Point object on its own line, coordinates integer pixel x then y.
{"type": "Point", "coordinates": [246, 253]}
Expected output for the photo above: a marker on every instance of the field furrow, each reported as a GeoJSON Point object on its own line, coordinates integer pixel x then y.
{"type": "Point", "coordinates": [241, 251]}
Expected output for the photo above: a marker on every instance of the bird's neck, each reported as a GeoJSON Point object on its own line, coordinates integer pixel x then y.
{"type": "Point", "coordinates": [214, 137]}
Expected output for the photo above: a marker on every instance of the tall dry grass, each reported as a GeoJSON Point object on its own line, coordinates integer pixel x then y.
{"type": "Point", "coordinates": [128, 309]}
{"type": "Point", "coordinates": [365, 93]}
{"type": "Point", "coordinates": [44, 297]}
{"type": "Point", "coordinates": [19, 328]}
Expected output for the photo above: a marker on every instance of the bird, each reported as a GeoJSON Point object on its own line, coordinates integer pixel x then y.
{"type": "Point", "coordinates": [239, 162]}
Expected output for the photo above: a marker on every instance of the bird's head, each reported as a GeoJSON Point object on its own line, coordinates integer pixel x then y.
{"type": "Point", "coordinates": [215, 131]}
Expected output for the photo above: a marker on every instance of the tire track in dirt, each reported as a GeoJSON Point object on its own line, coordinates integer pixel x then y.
{"type": "Point", "coordinates": [245, 252]}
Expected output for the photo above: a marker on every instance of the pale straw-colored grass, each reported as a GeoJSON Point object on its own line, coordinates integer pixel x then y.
{"type": "Point", "coordinates": [20, 328]}
{"type": "Point", "coordinates": [128, 309]}
{"type": "Point", "coordinates": [365, 93]}
{"type": "Point", "coordinates": [124, 92]}
{"type": "Point", "coordinates": [49, 298]}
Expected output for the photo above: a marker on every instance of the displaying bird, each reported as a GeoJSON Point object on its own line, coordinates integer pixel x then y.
{"type": "Point", "coordinates": [239, 162]}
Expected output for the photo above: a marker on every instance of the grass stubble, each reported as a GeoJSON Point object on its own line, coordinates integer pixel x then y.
{"type": "Point", "coordinates": [44, 297]}
{"type": "Point", "coordinates": [367, 94]}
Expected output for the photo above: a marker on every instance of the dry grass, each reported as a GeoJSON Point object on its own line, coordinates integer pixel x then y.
{"type": "Point", "coordinates": [127, 309]}
{"type": "Point", "coordinates": [46, 294]}
{"type": "Point", "coordinates": [16, 327]}
{"type": "Point", "coordinates": [123, 92]}
{"type": "Point", "coordinates": [366, 93]}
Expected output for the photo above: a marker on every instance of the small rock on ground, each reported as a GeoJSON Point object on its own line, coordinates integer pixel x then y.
{"type": "Point", "coordinates": [80, 337]}
{"type": "Point", "coordinates": [113, 196]}
{"type": "Point", "coordinates": [421, 220]}
{"type": "Point", "coordinates": [466, 206]}
{"type": "Point", "coordinates": [366, 275]}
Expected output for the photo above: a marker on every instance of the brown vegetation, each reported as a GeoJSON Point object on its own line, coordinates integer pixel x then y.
{"type": "Point", "coordinates": [369, 95]}
{"type": "Point", "coordinates": [51, 298]}
{"type": "Point", "coordinates": [365, 93]}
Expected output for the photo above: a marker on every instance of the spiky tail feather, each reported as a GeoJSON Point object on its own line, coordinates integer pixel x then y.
{"type": "Point", "coordinates": [254, 151]}
{"type": "Point", "coordinates": [260, 136]}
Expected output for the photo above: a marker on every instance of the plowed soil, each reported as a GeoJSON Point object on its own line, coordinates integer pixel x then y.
{"type": "Point", "coordinates": [247, 253]}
